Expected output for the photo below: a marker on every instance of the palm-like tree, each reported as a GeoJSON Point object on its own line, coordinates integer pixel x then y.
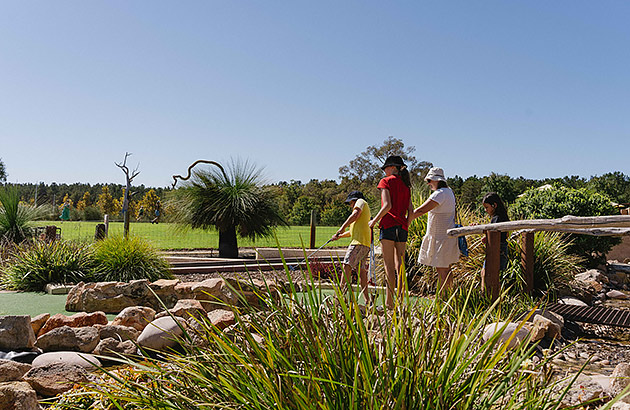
{"type": "Point", "coordinates": [232, 202]}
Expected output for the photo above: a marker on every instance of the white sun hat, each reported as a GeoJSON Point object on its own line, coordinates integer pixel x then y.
{"type": "Point", "coordinates": [435, 174]}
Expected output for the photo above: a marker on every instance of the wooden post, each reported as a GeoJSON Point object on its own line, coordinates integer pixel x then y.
{"type": "Point", "coordinates": [51, 233]}
{"type": "Point", "coordinates": [313, 224]}
{"type": "Point", "coordinates": [490, 281]}
{"type": "Point", "coordinates": [527, 259]}
{"type": "Point", "coordinates": [99, 233]}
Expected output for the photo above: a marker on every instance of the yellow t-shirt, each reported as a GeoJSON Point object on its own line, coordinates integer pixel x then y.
{"type": "Point", "coordinates": [359, 229]}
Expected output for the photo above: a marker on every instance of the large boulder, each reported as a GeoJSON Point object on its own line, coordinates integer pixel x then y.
{"type": "Point", "coordinates": [619, 380]}
{"type": "Point", "coordinates": [186, 308]}
{"type": "Point", "coordinates": [161, 334]}
{"type": "Point", "coordinates": [18, 396]}
{"type": "Point", "coordinates": [214, 293]}
{"type": "Point", "coordinates": [11, 371]}
{"type": "Point", "coordinates": [510, 333]}
{"type": "Point", "coordinates": [16, 333]}
{"type": "Point", "coordinates": [38, 321]}
{"type": "Point", "coordinates": [80, 319]}
{"type": "Point", "coordinates": [79, 339]}
{"type": "Point", "coordinates": [112, 297]}
{"type": "Point", "coordinates": [117, 332]}
{"type": "Point", "coordinates": [115, 348]}
{"type": "Point", "coordinates": [222, 318]}
{"type": "Point", "coordinates": [137, 317]}
{"type": "Point", "coordinates": [55, 378]}
{"type": "Point", "coordinates": [88, 361]}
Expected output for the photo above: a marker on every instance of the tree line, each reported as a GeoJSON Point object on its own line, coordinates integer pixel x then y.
{"type": "Point", "coordinates": [296, 200]}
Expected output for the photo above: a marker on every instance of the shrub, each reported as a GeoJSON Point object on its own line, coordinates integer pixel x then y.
{"type": "Point", "coordinates": [33, 266]}
{"type": "Point", "coordinates": [561, 201]}
{"type": "Point", "coordinates": [319, 352]}
{"type": "Point", "coordinates": [91, 213]}
{"type": "Point", "coordinates": [120, 259]}
{"type": "Point", "coordinates": [334, 213]}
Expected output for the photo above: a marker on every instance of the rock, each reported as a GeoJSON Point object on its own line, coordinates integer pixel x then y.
{"type": "Point", "coordinates": [186, 308]}
{"type": "Point", "coordinates": [615, 294]}
{"type": "Point", "coordinates": [620, 406]}
{"type": "Point", "coordinates": [548, 327]}
{"type": "Point", "coordinates": [571, 301]}
{"type": "Point", "coordinates": [583, 390]}
{"type": "Point", "coordinates": [115, 348]}
{"type": "Point", "coordinates": [87, 361]}
{"type": "Point", "coordinates": [16, 333]}
{"type": "Point", "coordinates": [592, 275]}
{"type": "Point", "coordinates": [620, 378]}
{"type": "Point", "coordinates": [12, 371]}
{"type": "Point", "coordinates": [55, 378]}
{"type": "Point", "coordinates": [165, 290]}
{"type": "Point", "coordinates": [161, 333]}
{"type": "Point", "coordinates": [619, 278]}
{"type": "Point", "coordinates": [18, 396]}
{"type": "Point", "coordinates": [111, 297]}
{"type": "Point", "coordinates": [80, 319]}
{"type": "Point", "coordinates": [222, 318]}
{"type": "Point", "coordinates": [212, 292]}
{"type": "Point", "coordinates": [82, 339]}
{"type": "Point", "coordinates": [120, 333]}
{"type": "Point", "coordinates": [137, 317]}
{"type": "Point", "coordinates": [520, 335]}
{"type": "Point", "coordinates": [38, 321]}
{"type": "Point", "coordinates": [183, 290]}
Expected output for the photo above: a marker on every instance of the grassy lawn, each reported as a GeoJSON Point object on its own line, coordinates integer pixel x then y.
{"type": "Point", "coordinates": [33, 304]}
{"type": "Point", "coordinates": [167, 236]}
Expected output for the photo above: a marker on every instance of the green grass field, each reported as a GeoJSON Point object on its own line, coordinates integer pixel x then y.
{"type": "Point", "coordinates": [33, 304]}
{"type": "Point", "coordinates": [167, 236]}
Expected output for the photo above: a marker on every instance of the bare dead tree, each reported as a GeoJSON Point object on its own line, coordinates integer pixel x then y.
{"type": "Point", "coordinates": [129, 177]}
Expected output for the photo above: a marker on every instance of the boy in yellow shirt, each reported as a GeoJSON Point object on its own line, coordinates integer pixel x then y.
{"type": "Point", "coordinates": [357, 253]}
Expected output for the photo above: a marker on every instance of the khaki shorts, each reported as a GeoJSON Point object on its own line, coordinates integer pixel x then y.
{"type": "Point", "coordinates": [356, 254]}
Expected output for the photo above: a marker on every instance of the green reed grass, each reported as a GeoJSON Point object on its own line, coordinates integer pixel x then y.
{"type": "Point", "coordinates": [323, 352]}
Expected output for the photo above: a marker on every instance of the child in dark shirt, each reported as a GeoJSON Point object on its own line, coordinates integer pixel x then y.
{"type": "Point", "coordinates": [498, 213]}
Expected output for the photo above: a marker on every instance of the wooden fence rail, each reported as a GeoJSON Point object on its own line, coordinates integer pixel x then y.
{"type": "Point", "coordinates": [613, 225]}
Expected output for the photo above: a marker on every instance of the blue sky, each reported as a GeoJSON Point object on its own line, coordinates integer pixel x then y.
{"type": "Point", "coordinates": [532, 88]}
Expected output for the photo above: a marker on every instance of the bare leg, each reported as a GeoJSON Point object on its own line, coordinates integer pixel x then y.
{"type": "Point", "coordinates": [445, 279]}
{"type": "Point", "coordinates": [363, 279]}
{"type": "Point", "coordinates": [346, 278]}
{"type": "Point", "coordinates": [390, 270]}
{"type": "Point", "coordinates": [399, 252]}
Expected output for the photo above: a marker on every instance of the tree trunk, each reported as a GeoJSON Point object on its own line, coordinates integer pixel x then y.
{"type": "Point", "coordinates": [228, 247]}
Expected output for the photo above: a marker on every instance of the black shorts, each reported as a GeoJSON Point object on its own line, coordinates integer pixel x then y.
{"type": "Point", "coordinates": [395, 233]}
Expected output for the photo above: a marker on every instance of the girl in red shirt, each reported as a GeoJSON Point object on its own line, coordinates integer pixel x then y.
{"type": "Point", "coordinates": [395, 205]}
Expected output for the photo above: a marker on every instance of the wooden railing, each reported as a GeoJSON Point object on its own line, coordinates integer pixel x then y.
{"type": "Point", "coordinates": [614, 225]}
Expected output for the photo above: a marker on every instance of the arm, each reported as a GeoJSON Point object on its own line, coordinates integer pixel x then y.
{"type": "Point", "coordinates": [356, 212]}
{"type": "Point", "coordinates": [386, 200]}
{"type": "Point", "coordinates": [428, 205]}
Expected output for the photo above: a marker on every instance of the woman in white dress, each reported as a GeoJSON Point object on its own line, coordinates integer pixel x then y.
{"type": "Point", "coordinates": [438, 249]}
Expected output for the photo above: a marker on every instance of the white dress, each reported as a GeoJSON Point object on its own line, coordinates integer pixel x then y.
{"type": "Point", "coordinates": [438, 249]}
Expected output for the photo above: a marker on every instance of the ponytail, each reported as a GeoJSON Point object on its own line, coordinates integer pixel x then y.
{"type": "Point", "coordinates": [404, 174]}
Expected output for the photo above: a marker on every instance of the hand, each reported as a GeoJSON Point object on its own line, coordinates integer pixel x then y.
{"type": "Point", "coordinates": [372, 223]}
{"type": "Point", "coordinates": [334, 237]}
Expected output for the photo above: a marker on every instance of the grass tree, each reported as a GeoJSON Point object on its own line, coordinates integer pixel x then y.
{"type": "Point", "coordinates": [232, 202]}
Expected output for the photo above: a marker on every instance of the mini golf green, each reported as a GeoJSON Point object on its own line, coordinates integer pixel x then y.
{"type": "Point", "coordinates": [33, 304]}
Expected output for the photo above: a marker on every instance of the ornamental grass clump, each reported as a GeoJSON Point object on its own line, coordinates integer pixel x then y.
{"type": "Point", "coordinates": [31, 267]}
{"type": "Point", "coordinates": [122, 260]}
{"type": "Point", "coordinates": [315, 351]}
{"type": "Point", "coordinates": [15, 216]}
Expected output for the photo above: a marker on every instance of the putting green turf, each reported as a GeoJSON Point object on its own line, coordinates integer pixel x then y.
{"type": "Point", "coordinates": [33, 304]}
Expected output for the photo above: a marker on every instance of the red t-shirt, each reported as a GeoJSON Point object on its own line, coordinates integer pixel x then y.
{"type": "Point", "coordinates": [400, 196]}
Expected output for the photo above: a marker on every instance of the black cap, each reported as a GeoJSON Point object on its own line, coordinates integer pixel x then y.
{"type": "Point", "coordinates": [353, 196]}
{"type": "Point", "coordinates": [393, 160]}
